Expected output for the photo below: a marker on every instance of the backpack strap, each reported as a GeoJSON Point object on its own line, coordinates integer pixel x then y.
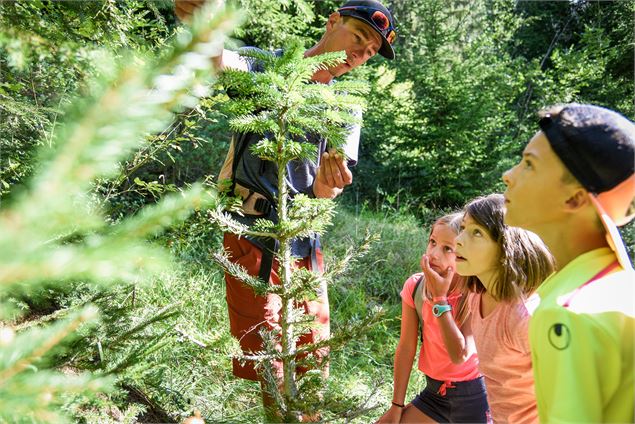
{"type": "Point", "coordinates": [269, 249]}
{"type": "Point", "coordinates": [239, 145]}
{"type": "Point", "coordinates": [417, 298]}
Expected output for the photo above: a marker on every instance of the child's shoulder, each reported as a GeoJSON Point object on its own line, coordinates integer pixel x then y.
{"type": "Point", "coordinates": [412, 281]}
{"type": "Point", "coordinates": [409, 288]}
{"type": "Point", "coordinates": [611, 293]}
{"type": "Point", "coordinates": [516, 310]}
{"type": "Point", "coordinates": [516, 314]}
{"type": "Point", "coordinates": [415, 277]}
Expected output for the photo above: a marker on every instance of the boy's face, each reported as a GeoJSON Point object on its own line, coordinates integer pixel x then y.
{"type": "Point", "coordinates": [536, 194]}
{"type": "Point", "coordinates": [356, 38]}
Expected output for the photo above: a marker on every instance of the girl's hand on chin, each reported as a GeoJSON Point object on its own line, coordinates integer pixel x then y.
{"type": "Point", "coordinates": [438, 284]}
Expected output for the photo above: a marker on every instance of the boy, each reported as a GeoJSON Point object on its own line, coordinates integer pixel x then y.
{"type": "Point", "coordinates": [574, 184]}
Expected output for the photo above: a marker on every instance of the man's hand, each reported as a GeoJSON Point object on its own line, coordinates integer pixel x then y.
{"type": "Point", "coordinates": [332, 175]}
{"type": "Point", "coordinates": [184, 9]}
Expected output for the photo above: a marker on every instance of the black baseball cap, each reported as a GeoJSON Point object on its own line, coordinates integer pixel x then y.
{"type": "Point", "coordinates": [378, 17]}
{"type": "Point", "coordinates": [597, 145]}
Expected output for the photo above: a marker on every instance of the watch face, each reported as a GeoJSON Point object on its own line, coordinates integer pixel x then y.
{"type": "Point", "coordinates": [439, 310]}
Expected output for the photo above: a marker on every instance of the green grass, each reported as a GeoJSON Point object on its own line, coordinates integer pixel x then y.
{"type": "Point", "coordinates": [178, 375]}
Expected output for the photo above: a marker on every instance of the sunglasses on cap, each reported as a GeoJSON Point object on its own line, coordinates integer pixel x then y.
{"type": "Point", "coordinates": [378, 18]}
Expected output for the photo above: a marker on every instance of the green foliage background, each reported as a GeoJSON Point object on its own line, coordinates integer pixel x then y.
{"type": "Point", "coordinates": [444, 120]}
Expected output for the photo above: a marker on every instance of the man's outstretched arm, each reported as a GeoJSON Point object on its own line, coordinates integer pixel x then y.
{"type": "Point", "coordinates": [184, 9]}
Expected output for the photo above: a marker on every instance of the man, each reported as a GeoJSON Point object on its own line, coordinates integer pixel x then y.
{"type": "Point", "coordinates": [574, 183]}
{"type": "Point", "coordinates": [361, 28]}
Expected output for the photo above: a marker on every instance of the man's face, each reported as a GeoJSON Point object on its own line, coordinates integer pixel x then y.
{"type": "Point", "coordinates": [355, 37]}
{"type": "Point", "coordinates": [536, 195]}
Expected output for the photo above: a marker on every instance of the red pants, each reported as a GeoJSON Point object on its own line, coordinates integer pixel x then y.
{"type": "Point", "coordinates": [248, 312]}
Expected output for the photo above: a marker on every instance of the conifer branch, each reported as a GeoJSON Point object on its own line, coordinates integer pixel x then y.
{"type": "Point", "coordinates": [53, 340]}
{"type": "Point", "coordinates": [260, 287]}
{"type": "Point", "coordinates": [228, 224]}
{"type": "Point", "coordinates": [352, 255]}
{"type": "Point", "coordinates": [55, 230]}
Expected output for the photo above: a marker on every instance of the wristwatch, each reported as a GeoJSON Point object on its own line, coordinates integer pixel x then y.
{"type": "Point", "coordinates": [440, 309]}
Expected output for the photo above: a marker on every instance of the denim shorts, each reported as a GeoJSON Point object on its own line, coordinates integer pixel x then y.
{"type": "Point", "coordinates": [454, 402]}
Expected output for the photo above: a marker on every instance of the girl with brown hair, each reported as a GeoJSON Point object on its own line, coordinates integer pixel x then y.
{"type": "Point", "coordinates": [503, 266]}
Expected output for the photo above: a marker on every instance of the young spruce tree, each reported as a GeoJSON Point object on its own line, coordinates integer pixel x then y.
{"type": "Point", "coordinates": [55, 231]}
{"type": "Point", "coordinates": [283, 105]}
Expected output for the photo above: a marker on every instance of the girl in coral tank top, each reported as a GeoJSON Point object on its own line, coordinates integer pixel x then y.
{"type": "Point", "coordinates": [437, 297]}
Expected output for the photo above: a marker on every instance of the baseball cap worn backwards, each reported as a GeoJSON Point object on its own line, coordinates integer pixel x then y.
{"type": "Point", "coordinates": [597, 145]}
{"type": "Point", "coordinates": [378, 17]}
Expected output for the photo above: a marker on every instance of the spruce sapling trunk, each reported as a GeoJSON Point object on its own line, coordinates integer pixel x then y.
{"type": "Point", "coordinates": [288, 340]}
